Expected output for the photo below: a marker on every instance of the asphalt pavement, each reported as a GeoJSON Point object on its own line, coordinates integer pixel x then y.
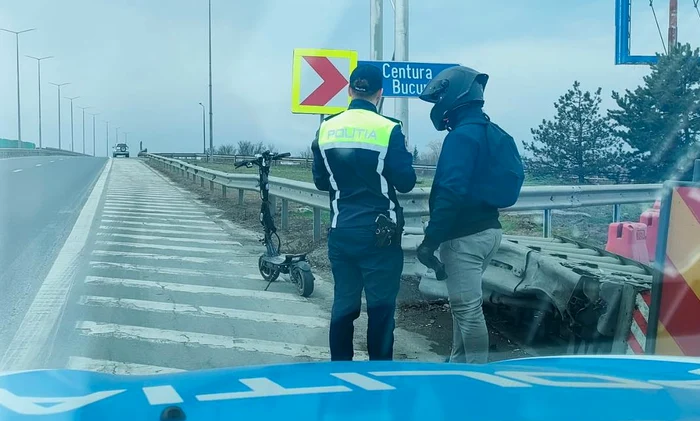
{"type": "Point", "coordinates": [152, 280]}
{"type": "Point", "coordinates": [40, 198]}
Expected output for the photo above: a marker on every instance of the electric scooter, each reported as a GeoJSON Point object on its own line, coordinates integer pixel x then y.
{"type": "Point", "coordinates": [272, 263]}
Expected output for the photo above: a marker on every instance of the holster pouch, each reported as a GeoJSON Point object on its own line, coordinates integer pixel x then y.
{"type": "Point", "coordinates": [386, 231]}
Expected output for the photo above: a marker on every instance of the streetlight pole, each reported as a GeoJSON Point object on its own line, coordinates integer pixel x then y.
{"type": "Point", "coordinates": [116, 137]}
{"type": "Point", "coordinates": [58, 85]}
{"type": "Point", "coordinates": [19, 118]}
{"type": "Point", "coordinates": [72, 138]}
{"type": "Point", "coordinates": [94, 150]}
{"type": "Point", "coordinates": [107, 139]}
{"type": "Point", "coordinates": [83, 108]}
{"type": "Point", "coordinates": [401, 48]}
{"type": "Point", "coordinates": [211, 111]}
{"type": "Point", "coordinates": [204, 128]}
{"type": "Point", "coordinates": [38, 69]}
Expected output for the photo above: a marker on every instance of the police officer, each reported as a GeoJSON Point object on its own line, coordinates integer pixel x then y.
{"type": "Point", "coordinates": [465, 229]}
{"type": "Point", "coordinates": [360, 159]}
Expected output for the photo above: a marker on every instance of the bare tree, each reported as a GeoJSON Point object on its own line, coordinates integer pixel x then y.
{"type": "Point", "coordinates": [272, 148]}
{"type": "Point", "coordinates": [245, 147]}
{"type": "Point", "coordinates": [306, 153]}
{"type": "Point", "coordinates": [226, 150]}
{"type": "Point", "coordinates": [430, 157]}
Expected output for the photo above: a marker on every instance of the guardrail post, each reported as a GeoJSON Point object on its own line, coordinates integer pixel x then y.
{"type": "Point", "coordinates": [273, 204]}
{"type": "Point", "coordinates": [211, 185]}
{"type": "Point", "coordinates": [201, 182]}
{"type": "Point", "coordinates": [317, 224]}
{"type": "Point", "coordinates": [617, 212]}
{"type": "Point", "coordinates": [223, 191]}
{"type": "Point", "coordinates": [285, 214]}
{"type": "Point", "coordinates": [241, 194]}
{"type": "Point", "coordinates": [547, 223]}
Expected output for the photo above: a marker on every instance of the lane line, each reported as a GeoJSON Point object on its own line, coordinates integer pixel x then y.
{"type": "Point", "coordinates": [169, 247]}
{"type": "Point", "coordinates": [156, 224]}
{"type": "Point", "coordinates": [148, 204]}
{"type": "Point", "coordinates": [38, 165]}
{"type": "Point", "coordinates": [151, 256]}
{"type": "Point", "coordinates": [203, 311]}
{"type": "Point", "coordinates": [162, 231]}
{"type": "Point", "coordinates": [163, 218]}
{"type": "Point", "coordinates": [177, 337]}
{"type": "Point", "coordinates": [175, 239]}
{"type": "Point", "coordinates": [143, 209]}
{"type": "Point", "coordinates": [17, 170]}
{"type": "Point", "coordinates": [161, 270]}
{"type": "Point", "coordinates": [117, 367]}
{"type": "Point", "coordinates": [146, 211]}
{"type": "Point", "coordinates": [38, 324]}
{"type": "Point", "coordinates": [141, 215]}
{"type": "Point", "coordinates": [193, 289]}
{"type": "Point", "coordinates": [52, 161]}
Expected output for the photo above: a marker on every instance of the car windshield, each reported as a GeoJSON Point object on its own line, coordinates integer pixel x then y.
{"type": "Point", "coordinates": [212, 184]}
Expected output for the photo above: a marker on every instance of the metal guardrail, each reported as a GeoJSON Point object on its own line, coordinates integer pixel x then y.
{"type": "Point", "coordinates": [235, 158]}
{"type": "Point", "coordinates": [415, 203]}
{"type": "Point", "coordinates": [16, 152]}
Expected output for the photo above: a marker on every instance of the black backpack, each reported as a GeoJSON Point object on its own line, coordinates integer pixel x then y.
{"type": "Point", "coordinates": [502, 174]}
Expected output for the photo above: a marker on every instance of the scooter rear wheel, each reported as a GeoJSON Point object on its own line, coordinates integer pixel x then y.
{"type": "Point", "coordinates": [304, 281]}
{"type": "Point", "coordinates": [270, 275]}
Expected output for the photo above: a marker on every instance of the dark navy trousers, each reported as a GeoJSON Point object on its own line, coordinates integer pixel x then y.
{"type": "Point", "coordinates": [358, 264]}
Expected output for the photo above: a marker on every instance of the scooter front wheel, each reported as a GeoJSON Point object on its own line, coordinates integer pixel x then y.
{"type": "Point", "coordinates": [270, 275]}
{"type": "Point", "coordinates": [304, 280]}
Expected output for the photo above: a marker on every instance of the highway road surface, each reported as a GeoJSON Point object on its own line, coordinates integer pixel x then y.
{"type": "Point", "coordinates": [150, 280]}
{"type": "Point", "coordinates": [40, 198]}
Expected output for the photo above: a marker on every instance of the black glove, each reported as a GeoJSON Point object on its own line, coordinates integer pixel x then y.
{"type": "Point", "coordinates": [426, 255]}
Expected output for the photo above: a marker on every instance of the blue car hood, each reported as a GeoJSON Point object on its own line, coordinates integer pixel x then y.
{"type": "Point", "coordinates": [542, 389]}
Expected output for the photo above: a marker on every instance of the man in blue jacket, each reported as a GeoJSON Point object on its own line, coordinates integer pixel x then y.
{"type": "Point", "coordinates": [465, 229]}
{"type": "Point", "coordinates": [360, 158]}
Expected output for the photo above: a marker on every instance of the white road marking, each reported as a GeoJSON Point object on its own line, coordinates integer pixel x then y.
{"type": "Point", "coordinates": [166, 247]}
{"type": "Point", "coordinates": [147, 211]}
{"type": "Point", "coordinates": [136, 255]}
{"type": "Point", "coordinates": [40, 320]}
{"type": "Point", "coordinates": [178, 271]}
{"type": "Point", "coordinates": [177, 337]}
{"type": "Point", "coordinates": [157, 224]}
{"type": "Point", "coordinates": [148, 204]}
{"type": "Point", "coordinates": [52, 161]}
{"type": "Point", "coordinates": [17, 170]}
{"type": "Point", "coordinates": [38, 165]}
{"type": "Point", "coordinates": [121, 216]}
{"type": "Point", "coordinates": [138, 192]}
{"type": "Point", "coordinates": [162, 231]}
{"type": "Point", "coordinates": [117, 367]}
{"type": "Point", "coordinates": [162, 395]}
{"type": "Point", "coordinates": [203, 311]}
{"type": "Point", "coordinates": [141, 215]}
{"type": "Point", "coordinates": [193, 289]}
{"type": "Point", "coordinates": [175, 239]}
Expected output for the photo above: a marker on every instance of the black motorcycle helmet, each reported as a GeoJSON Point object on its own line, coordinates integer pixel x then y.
{"type": "Point", "coordinates": [453, 88]}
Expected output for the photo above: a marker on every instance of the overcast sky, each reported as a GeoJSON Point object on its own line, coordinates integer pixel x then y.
{"type": "Point", "coordinates": [143, 63]}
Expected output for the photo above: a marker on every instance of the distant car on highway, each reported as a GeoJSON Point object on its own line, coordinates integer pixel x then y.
{"type": "Point", "coordinates": [122, 149]}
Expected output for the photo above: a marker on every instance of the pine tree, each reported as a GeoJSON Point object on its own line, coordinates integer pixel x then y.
{"type": "Point", "coordinates": [660, 119]}
{"type": "Point", "coordinates": [577, 142]}
{"type": "Point", "coordinates": [415, 154]}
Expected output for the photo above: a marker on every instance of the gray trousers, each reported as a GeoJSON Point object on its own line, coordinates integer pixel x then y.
{"type": "Point", "coordinates": [465, 260]}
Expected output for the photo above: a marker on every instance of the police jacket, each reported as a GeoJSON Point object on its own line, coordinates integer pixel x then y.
{"type": "Point", "coordinates": [454, 211]}
{"type": "Point", "coordinates": [360, 158]}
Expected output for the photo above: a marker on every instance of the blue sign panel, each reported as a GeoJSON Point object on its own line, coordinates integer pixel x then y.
{"type": "Point", "coordinates": [406, 79]}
